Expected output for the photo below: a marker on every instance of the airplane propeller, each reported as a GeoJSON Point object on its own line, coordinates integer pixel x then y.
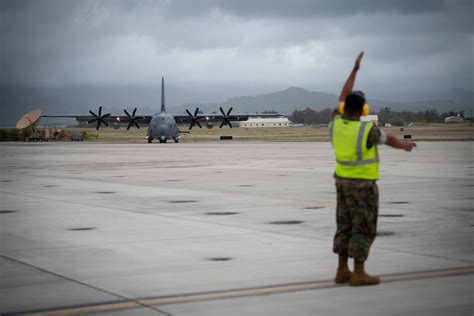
{"type": "Point", "coordinates": [131, 119]}
{"type": "Point", "coordinates": [225, 118]}
{"type": "Point", "coordinates": [99, 118]}
{"type": "Point", "coordinates": [194, 118]}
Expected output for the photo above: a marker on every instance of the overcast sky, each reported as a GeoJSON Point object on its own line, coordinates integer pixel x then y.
{"type": "Point", "coordinates": [411, 46]}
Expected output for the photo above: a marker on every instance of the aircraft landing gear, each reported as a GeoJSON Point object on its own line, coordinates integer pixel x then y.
{"type": "Point", "coordinates": [163, 140]}
{"type": "Point", "coordinates": [176, 140]}
{"type": "Point", "coordinates": [150, 139]}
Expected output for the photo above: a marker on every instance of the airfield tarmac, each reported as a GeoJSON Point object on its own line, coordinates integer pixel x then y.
{"type": "Point", "coordinates": [226, 228]}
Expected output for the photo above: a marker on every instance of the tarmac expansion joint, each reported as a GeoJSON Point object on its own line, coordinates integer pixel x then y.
{"type": "Point", "coordinates": [235, 293]}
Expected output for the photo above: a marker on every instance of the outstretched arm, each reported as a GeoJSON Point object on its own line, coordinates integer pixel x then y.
{"type": "Point", "coordinates": [406, 145]}
{"type": "Point", "coordinates": [349, 85]}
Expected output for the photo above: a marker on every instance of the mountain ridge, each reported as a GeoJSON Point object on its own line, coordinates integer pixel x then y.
{"type": "Point", "coordinates": [296, 98]}
{"type": "Point", "coordinates": [16, 101]}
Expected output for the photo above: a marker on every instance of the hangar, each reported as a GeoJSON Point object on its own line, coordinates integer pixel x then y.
{"type": "Point", "coordinates": [454, 119]}
{"type": "Point", "coordinates": [265, 122]}
{"type": "Point", "coordinates": [370, 118]}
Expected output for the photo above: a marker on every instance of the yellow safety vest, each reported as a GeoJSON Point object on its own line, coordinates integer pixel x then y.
{"type": "Point", "coordinates": [353, 159]}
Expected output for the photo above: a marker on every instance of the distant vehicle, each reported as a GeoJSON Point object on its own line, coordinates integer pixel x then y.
{"type": "Point", "coordinates": [163, 126]}
{"type": "Point", "coordinates": [76, 137]}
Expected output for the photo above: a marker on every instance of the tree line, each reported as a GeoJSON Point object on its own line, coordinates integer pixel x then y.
{"type": "Point", "coordinates": [309, 116]}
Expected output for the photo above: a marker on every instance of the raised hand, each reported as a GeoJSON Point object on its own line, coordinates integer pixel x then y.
{"type": "Point", "coordinates": [358, 59]}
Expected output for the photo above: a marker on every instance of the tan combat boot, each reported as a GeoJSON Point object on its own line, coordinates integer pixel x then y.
{"type": "Point", "coordinates": [360, 277]}
{"type": "Point", "coordinates": [343, 274]}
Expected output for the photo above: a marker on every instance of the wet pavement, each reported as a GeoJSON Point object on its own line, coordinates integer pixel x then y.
{"type": "Point", "coordinates": [226, 229]}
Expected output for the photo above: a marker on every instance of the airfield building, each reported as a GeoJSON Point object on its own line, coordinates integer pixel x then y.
{"type": "Point", "coordinates": [265, 122]}
{"type": "Point", "coordinates": [454, 119]}
{"type": "Point", "coordinates": [370, 118]}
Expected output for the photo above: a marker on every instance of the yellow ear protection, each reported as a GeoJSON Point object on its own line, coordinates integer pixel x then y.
{"type": "Point", "coordinates": [365, 108]}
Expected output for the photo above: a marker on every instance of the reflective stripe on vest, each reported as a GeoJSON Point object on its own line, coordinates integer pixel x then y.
{"type": "Point", "coordinates": [371, 172]}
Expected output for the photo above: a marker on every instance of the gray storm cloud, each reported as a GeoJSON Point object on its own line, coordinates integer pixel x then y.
{"type": "Point", "coordinates": [423, 45]}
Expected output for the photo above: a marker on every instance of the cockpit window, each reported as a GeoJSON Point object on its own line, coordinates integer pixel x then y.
{"type": "Point", "coordinates": [164, 120]}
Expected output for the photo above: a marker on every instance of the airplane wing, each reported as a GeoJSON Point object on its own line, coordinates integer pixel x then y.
{"type": "Point", "coordinates": [108, 118]}
{"type": "Point", "coordinates": [224, 118]}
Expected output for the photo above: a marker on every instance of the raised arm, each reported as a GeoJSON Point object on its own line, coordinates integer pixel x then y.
{"type": "Point", "coordinates": [349, 85]}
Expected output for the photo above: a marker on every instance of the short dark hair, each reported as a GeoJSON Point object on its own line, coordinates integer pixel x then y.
{"type": "Point", "coordinates": [354, 102]}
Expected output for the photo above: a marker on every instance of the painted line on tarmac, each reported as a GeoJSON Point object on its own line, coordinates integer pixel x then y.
{"type": "Point", "coordinates": [237, 293]}
{"type": "Point", "coordinates": [120, 298]}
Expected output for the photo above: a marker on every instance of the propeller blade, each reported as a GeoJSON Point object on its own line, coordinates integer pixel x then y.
{"type": "Point", "coordinates": [225, 117]}
{"type": "Point", "coordinates": [194, 118]}
{"type": "Point", "coordinates": [130, 122]}
{"type": "Point", "coordinates": [131, 118]}
{"type": "Point", "coordinates": [99, 118]}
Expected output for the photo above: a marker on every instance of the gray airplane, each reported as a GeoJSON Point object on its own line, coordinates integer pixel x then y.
{"type": "Point", "coordinates": [162, 126]}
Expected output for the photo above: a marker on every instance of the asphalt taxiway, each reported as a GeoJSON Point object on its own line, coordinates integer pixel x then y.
{"type": "Point", "coordinates": [226, 228]}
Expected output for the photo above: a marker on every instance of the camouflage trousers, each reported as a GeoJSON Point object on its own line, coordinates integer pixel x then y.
{"type": "Point", "coordinates": [356, 217]}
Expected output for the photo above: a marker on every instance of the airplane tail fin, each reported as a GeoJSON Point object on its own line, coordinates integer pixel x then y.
{"type": "Point", "coordinates": [163, 109]}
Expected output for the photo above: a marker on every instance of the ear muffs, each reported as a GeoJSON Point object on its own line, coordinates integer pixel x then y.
{"type": "Point", "coordinates": [365, 108]}
{"type": "Point", "coordinates": [341, 107]}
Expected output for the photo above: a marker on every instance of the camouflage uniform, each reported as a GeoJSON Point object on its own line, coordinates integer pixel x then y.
{"type": "Point", "coordinates": [357, 211]}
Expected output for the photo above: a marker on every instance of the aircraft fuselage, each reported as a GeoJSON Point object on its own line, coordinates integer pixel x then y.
{"type": "Point", "coordinates": [163, 127]}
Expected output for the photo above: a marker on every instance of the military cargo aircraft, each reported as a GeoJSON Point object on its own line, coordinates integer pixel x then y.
{"type": "Point", "coordinates": [162, 126]}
